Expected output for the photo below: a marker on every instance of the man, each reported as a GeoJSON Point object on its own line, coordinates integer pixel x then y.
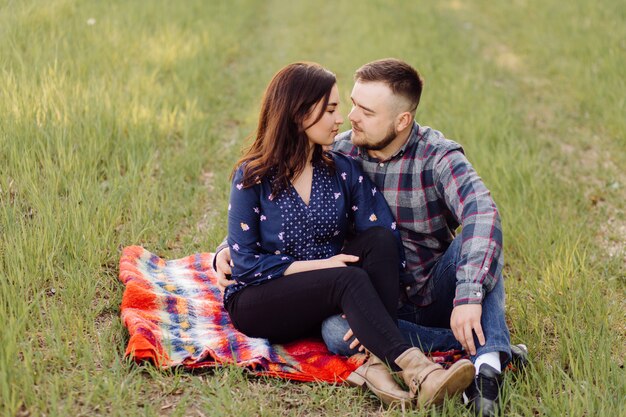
{"type": "Point", "coordinates": [452, 281]}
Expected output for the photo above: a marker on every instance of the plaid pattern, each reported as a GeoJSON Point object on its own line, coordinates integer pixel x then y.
{"type": "Point", "coordinates": [175, 317]}
{"type": "Point", "coordinates": [431, 189]}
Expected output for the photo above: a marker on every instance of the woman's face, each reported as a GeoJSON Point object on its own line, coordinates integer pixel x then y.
{"type": "Point", "coordinates": [323, 132]}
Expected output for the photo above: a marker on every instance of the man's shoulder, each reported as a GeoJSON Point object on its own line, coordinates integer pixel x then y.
{"type": "Point", "coordinates": [343, 144]}
{"type": "Point", "coordinates": [433, 143]}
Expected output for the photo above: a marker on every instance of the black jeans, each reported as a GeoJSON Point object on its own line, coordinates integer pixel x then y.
{"type": "Point", "coordinates": [294, 306]}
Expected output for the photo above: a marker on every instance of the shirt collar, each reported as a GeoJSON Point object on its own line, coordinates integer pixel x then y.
{"type": "Point", "coordinates": [413, 138]}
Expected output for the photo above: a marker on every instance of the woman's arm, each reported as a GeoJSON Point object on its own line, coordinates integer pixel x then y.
{"type": "Point", "coordinates": [336, 261]}
{"type": "Point", "coordinates": [251, 263]}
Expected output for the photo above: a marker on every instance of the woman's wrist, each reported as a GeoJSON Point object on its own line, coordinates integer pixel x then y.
{"type": "Point", "coordinates": [303, 266]}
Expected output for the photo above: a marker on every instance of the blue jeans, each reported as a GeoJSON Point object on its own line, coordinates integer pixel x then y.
{"type": "Point", "coordinates": [429, 327]}
{"type": "Point", "coordinates": [426, 338]}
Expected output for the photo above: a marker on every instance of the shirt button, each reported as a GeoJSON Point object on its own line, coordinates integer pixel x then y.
{"type": "Point", "coordinates": [381, 165]}
{"type": "Point", "coordinates": [486, 268]}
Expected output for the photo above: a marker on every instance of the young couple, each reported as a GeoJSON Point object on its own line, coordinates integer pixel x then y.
{"type": "Point", "coordinates": [356, 238]}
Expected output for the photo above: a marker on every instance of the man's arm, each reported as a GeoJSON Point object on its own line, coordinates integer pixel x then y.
{"type": "Point", "coordinates": [470, 202]}
{"type": "Point", "coordinates": [220, 247]}
{"type": "Point", "coordinates": [222, 266]}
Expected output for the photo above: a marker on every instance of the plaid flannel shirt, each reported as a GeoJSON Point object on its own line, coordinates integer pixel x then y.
{"type": "Point", "coordinates": [431, 189]}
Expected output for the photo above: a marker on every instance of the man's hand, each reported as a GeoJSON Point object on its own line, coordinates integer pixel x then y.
{"type": "Point", "coordinates": [223, 264]}
{"type": "Point", "coordinates": [465, 319]}
{"type": "Point", "coordinates": [355, 342]}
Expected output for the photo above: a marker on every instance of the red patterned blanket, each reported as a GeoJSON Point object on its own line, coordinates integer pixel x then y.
{"type": "Point", "coordinates": [175, 317]}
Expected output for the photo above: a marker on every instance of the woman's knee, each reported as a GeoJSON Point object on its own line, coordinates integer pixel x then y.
{"type": "Point", "coordinates": [352, 275]}
{"type": "Point", "coordinates": [380, 234]}
{"type": "Point", "coordinates": [381, 239]}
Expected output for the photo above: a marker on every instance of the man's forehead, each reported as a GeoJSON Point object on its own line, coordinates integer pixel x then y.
{"type": "Point", "coordinates": [371, 93]}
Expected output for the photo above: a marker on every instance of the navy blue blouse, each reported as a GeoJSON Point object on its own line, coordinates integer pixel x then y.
{"type": "Point", "coordinates": [266, 233]}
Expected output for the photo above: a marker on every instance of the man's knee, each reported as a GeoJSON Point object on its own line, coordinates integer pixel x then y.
{"type": "Point", "coordinates": [333, 330]}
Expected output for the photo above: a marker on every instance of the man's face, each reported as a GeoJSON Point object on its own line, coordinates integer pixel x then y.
{"type": "Point", "coordinates": [373, 115]}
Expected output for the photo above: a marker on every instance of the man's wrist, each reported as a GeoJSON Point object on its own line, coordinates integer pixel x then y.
{"type": "Point", "coordinates": [468, 293]}
{"type": "Point", "coordinates": [220, 248]}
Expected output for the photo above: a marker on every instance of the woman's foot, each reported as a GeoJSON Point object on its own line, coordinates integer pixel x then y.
{"type": "Point", "coordinates": [376, 376]}
{"type": "Point", "coordinates": [428, 381]}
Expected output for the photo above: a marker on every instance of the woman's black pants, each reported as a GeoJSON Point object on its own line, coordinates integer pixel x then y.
{"type": "Point", "coordinates": [294, 306]}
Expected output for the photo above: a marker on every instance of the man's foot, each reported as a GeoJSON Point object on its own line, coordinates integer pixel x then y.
{"type": "Point", "coordinates": [519, 355]}
{"type": "Point", "coordinates": [484, 393]}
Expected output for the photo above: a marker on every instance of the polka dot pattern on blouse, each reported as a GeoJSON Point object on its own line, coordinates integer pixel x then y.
{"type": "Point", "coordinates": [307, 230]}
{"type": "Point", "coordinates": [267, 232]}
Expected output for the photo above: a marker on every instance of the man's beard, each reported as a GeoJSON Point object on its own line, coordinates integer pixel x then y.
{"type": "Point", "coordinates": [389, 137]}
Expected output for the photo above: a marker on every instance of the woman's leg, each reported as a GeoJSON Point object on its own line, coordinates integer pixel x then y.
{"type": "Point", "coordinates": [293, 306]}
{"type": "Point", "coordinates": [377, 249]}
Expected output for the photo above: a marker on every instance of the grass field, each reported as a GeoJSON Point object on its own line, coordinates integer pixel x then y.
{"type": "Point", "coordinates": [120, 122]}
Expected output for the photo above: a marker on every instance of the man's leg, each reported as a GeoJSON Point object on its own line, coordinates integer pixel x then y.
{"type": "Point", "coordinates": [428, 339]}
{"type": "Point", "coordinates": [438, 314]}
{"type": "Point", "coordinates": [430, 326]}
{"type": "Point", "coordinates": [490, 359]}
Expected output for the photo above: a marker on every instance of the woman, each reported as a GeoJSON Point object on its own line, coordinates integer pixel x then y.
{"type": "Point", "coordinates": [290, 209]}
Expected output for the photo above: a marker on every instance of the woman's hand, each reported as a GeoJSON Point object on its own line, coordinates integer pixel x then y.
{"type": "Point", "coordinates": [337, 261]}
{"type": "Point", "coordinates": [340, 260]}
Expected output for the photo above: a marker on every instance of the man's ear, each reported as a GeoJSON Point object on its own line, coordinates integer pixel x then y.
{"type": "Point", "coordinates": [404, 120]}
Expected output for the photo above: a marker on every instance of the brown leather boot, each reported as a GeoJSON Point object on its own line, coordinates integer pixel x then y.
{"type": "Point", "coordinates": [429, 380]}
{"type": "Point", "coordinates": [377, 376]}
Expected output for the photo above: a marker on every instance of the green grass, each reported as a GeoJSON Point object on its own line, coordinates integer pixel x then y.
{"type": "Point", "coordinates": [124, 132]}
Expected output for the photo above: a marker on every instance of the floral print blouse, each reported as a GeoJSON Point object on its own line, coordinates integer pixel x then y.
{"type": "Point", "coordinates": [266, 232]}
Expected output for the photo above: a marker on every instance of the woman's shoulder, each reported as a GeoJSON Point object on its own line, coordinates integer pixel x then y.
{"type": "Point", "coordinates": [238, 172]}
{"type": "Point", "coordinates": [343, 161]}
{"type": "Point", "coordinates": [347, 169]}
{"type": "Point", "coordinates": [240, 175]}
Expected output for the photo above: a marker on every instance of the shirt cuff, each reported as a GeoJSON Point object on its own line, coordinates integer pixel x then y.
{"type": "Point", "coordinates": [469, 293]}
{"type": "Point", "coordinates": [221, 247]}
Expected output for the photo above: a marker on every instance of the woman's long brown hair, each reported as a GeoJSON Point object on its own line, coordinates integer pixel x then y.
{"type": "Point", "coordinates": [281, 145]}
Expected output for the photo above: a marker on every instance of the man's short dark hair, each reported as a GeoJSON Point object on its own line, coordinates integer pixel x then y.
{"type": "Point", "coordinates": [403, 79]}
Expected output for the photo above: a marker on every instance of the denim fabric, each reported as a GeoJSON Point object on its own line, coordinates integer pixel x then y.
{"type": "Point", "coordinates": [430, 326]}
{"type": "Point", "coordinates": [426, 338]}
{"type": "Point", "coordinates": [438, 313]}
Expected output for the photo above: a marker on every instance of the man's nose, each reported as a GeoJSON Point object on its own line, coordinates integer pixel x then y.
{"type": "Point", "coordinates": [352, 114]}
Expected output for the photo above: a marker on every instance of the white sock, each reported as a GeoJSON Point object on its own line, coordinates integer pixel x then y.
{"type": "Point", "coordinates": [492, 359]}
